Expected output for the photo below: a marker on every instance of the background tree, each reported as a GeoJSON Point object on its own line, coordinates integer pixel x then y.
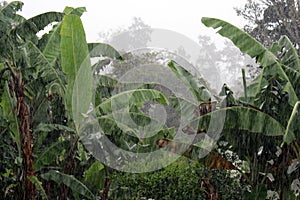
{"type": "Point", "coordinates": [220, 65]}
{"type": "Point", "coordinates": [134, 36]}
{"type": "Point", "coordinates": [216, 64]}
{"type": "Point", "coordinates": [268, 20]}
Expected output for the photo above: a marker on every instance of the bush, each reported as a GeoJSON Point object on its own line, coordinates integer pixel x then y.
{"type": "Point", "coordinates": [180, 180]}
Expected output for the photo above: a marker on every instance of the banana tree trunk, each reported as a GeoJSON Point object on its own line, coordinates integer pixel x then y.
{"type": "Point", "coordinates": [22, 110]}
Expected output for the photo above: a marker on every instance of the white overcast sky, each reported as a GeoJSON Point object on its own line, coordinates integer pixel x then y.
{"type": "Point", "coordinates": [177, 15]}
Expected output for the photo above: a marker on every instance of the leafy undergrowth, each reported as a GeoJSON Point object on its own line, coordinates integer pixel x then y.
{"type": "Point", "coordinates": [180, 180]}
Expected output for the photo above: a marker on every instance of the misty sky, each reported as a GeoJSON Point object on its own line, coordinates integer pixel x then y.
{"type": "Point", "coordinates": [176, 15]}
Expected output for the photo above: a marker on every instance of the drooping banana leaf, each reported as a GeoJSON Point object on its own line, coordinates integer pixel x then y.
{"type": "Point", "coordinates": [290, 62]}
{"type": "Point", "coordinates": [51, 127]}
{"type": "Point", "coordinates": [50, 154]}
{"type": "Point", "coordinates": [52, 49]}
{"type": "Point", "coordinates": [38, 23]}
{"type": "Point", "coordinates": [135, 137]}
{"type": "Point", "coordinates": [292, 131]}
{"type": "Point", "coordinates": [107, 81]}
{"type": "Point", "coordinates": [233, 121]}
{"type": "Point", "coordinates": [139, 124]}
{"type": "Point", "coordinates": [104, 50]}
{"type": "Point", "coordinates": [253, 87]}
{"type": "Point", "coordinates": [100, 65]}
{"type": "Point", "coordinates": [132, 97]}
{"type": "Point", "coordinates": [115, 86]}
{"type": "Point", "coordinates": [195, 85]}
{"type": "Point", "coordinates": [185, 109]}
{"type": "Point", "coordinates": [108, 123]}
{"type": "Point", "coordinates": [294, 78]}
{"type": "Point", "coordinates": [289, 55]}
{"type": "Point", "coordinates": [247, 44]}
{"type": "Point", "coordinates": [70, 181]}
{"type": "Point", "coordinates": [241, 118]}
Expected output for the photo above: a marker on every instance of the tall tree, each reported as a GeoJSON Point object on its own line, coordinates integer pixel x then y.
{"type": "Point", "coordinates": [268, 20]}
{"type": "Point", "coordinates": [137, 35]}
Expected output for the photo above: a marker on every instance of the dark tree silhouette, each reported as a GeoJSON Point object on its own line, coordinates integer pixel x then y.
{"type": "Point", "coordinates": [270, 19]}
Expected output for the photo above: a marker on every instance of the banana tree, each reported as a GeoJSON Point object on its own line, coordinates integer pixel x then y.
{"type": "Point", "coordinates": [19, 72]}
{"type": "Point", "coordinates": [67, 54]}
{"type": "Point", "coordinates": [78, 93]}
{"type": "Point", "coordinates": [274, 99]}
{"type": "Point", "coordinates": [36, 77]}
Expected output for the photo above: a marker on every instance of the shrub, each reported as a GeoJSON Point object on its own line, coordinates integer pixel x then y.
{"type": "Point", "coordinates": [180, 180]}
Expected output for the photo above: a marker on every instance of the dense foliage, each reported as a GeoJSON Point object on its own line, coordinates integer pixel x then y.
{"type": "Point", "coordinates": [268, 20]}
{"type": "Point", "coordinates": [181, 180]}
{"type": "Point", "coordinates": [47, 85]}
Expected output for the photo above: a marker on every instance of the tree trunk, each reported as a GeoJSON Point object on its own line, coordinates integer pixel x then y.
{"type": "Point", "coordinates": [25, 133]}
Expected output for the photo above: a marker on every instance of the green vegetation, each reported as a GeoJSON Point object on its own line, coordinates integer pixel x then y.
{"type": "Point", "coordinates": [181, 180]}
{"type": "Point", "coordinates": [48, 83]}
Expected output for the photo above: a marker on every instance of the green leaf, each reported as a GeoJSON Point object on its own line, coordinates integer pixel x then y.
{"type": "Point", "coordinates": [196, 86]}
{"type": "Point", "coordinates": [8, 105]}
{"type": "Point", "coordinates": [1, 66]}
{"type": "Point", "coordinates": [76, 64]}
{"type": "Point", "coordinates": [36, 59]}
{"type": "Point", "coordinates": [51, 127]}
{"type": "Point", "coordinates": [70, 181]}
{"type": "Point", "coordinates": [39, 186]}
{"type": "Point", "coordinates": [52, 48]}
{"type": "Point", "coordinates": [129, 98]}
{"type": "Point", "coordinates": [42, 131]}
{"type": "Point", "coordinates": [8, 18]}
{"type": "Point", "coordinates": [131, 122]}
{"type": "Point", "coordinates": [108, 124]}
{"type": "Point", "coordinates": [38, 23]}
{"type": "Point", "coordinates": [10, 9]}
{"type": "Point", "coordinates": [290, 57]}
{"type": "Point", "coordinates": [230, 122]}
{"type": "Point", "coordinates": [50, 154]}
{"type": "Point", "coordinates": [255, 86]}
{"type": "Point", "coordinates": [247, 44]}
{"type": "Point", "coordinates": [103, 50]}
{"type": "Point", "coordinates": [74, 49]}
{"type": "Point", "coordinates": [183, 107]}
{"type": "Point", "coordinates": [95, 176]}
{"type": "Point", "coordinates": [292, 131]}
{"type": "Point", "coordinates": [107, 81]}
{"type": "Point", "coordinates": [242, 118]}
{"type": "Point", "coordinates": [77, 11]}
{"type": "Point", "coordinates": [294, 78]}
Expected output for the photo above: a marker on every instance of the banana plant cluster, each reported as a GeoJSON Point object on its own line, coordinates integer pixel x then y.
{"type": "Point", "coordinates": [37, 81]}
{"type": "Point", "coordinates": [269, 137]}
{"type": "Point", "coordinates": [43, 101]}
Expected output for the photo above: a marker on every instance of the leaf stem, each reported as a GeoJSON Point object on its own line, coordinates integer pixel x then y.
{"type": "Point", "coordinates": [244, 84]}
